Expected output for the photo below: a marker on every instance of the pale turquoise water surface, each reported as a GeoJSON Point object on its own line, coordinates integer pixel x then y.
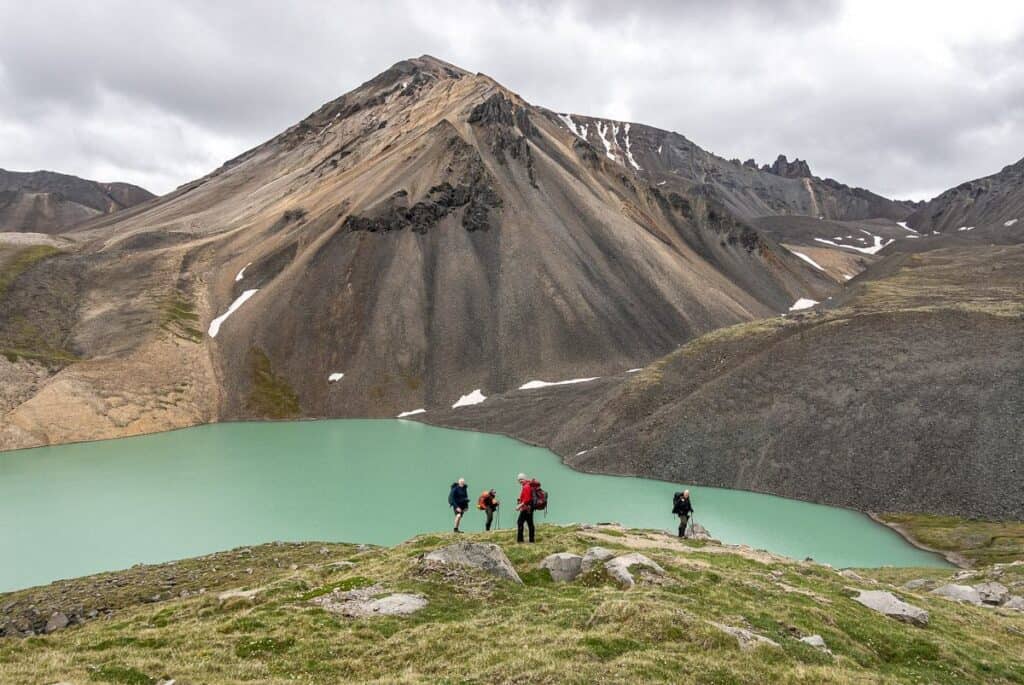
{"type": "Point", "coordinates": [77, 509]}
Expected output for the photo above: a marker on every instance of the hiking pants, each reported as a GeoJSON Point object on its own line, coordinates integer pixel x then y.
{"type": "Point", "coordinates": [525, 517]}
{"type": "Point", "coordinates": [683, 520]}
{"type": "Point", "coordinates": [490, 517]}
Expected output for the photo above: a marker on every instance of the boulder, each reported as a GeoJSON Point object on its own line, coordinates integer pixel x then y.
{"type": "Point", "coordinates": [918, 584]}
{"type": "Point", "coordinates": [367, 602]}
{"type": "Point", "coordinates": [959, 593]}
{"type": "Point", "coordinates": [699, 532]}
{"type": "Point", "coordinates": [992, 593]}
{"type": "Point", "coordinates": [594, 556]}
{"type": "Point", "coordinates": [619, 567]}
{"type": "Point", "coordinates": [892, 606]}
{"type": "Point", "coordinates": [1014, 602]}
{"type": "Point", "coordinates": [816, 641]}
{"type": "Point", "coordinates": [748, 640]}
{"type": "Point", "coordinates": [563, 566]}
{"type": "Point", "coordinates": [485, 556]}
{"type": "Point", "coordinates": [57, 621]}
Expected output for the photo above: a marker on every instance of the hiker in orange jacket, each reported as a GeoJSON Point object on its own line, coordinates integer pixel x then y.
{"type": "Point", "coordinates": [488, 503]}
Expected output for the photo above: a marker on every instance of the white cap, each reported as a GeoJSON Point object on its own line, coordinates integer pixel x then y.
{"type": "Point", "coordinates": [521, 476]}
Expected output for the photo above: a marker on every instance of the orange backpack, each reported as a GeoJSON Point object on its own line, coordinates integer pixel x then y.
{"type": "Point", "coordinates": [481, 503]}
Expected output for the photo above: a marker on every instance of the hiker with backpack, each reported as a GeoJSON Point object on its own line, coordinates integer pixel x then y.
{"type": "Point", "coordinates": [488, 503]}
{"type": "Point", "coordinates": [531, 498]}
{"type": "Point", "coordinates": [682, 508]}
{"type": "Point", "coordinates": [458, 500]}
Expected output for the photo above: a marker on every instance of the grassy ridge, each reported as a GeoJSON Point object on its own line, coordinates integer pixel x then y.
{"type": "Point", "coordinates": [977, 542]}
{"type": "Point", "coordinates": [479, 629]}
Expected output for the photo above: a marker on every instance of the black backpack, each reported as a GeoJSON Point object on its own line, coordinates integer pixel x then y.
{"type": "Point", "coordinates": [678, 503]}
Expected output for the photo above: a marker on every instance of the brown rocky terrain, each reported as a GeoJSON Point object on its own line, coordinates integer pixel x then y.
{"type": "Point", "coordinates": [48, 202]}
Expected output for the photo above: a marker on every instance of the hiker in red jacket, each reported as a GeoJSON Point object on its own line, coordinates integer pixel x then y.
{"type": "Point", "coordinates": [525, 508]}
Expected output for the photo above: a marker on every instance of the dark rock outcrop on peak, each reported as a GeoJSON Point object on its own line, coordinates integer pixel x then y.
{"type": "Point", "coordinates": [672, 162]}
{"type": "Point", "coordinates": [48, 202]}
{"type": "Point", "coordinates": [993, 205]}
{"type": "Point", "coordinates": [798, 168]}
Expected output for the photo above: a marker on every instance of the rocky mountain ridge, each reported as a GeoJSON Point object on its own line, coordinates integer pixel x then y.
{"type": "Point", "coordinates": [49, 202]}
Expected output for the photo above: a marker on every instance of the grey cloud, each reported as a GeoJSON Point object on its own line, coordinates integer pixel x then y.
{"type": "Point", "coordinates": [162, 92]}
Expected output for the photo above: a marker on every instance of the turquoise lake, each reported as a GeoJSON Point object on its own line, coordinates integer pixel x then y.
{"type": "Point", "coordinates": [77, 509]}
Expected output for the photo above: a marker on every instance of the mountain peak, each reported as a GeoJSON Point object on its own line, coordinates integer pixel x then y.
{"type": "Point", "coordinates": [798, 168]}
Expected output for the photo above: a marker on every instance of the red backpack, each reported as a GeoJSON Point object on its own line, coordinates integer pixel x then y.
{"type": "Point", "coordinates": [538, 496]}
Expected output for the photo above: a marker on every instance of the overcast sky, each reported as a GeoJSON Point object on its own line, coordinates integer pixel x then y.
{"type": "Point", "coordinates": [903, 98]}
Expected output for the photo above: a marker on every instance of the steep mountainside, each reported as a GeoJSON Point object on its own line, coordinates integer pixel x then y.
{"type": "Point", "coordinates": [994, 202]}
{"type": "Point", "coordinates": [669, 160]}
{"type": "Point", "coordinates": [428, 235]}
{"type": "Point", "coordinates": [48, 202]}
{"type": "Point", "coordinates": [904, 394]}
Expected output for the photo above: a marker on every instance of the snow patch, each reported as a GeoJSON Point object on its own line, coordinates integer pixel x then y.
{"type": "Point", "coordinates": [241, 274]}
{"type": "Point", "coordinates": [903, 225]}
{"type": "Point", "coordinates": [966, 228]}
{"type": "Point", "coordinates": [601, 130]}
{"type": "Point", "coordinates": [216, 323]}
{"type": "Point", "coordinates": [629, 150]}
{"type": "Point", "coordinates": [414, 412]}
{"type": "Point", "coordinates": [633, 370]}
{"type": "Point", "coordinates": [802, 303]}
{"type": "Point", "coordinates": [1009, 223]}
{"type": "Point", "coordinates": [581, 452]}
{"type": "Point", "coordinates": [335, 377]}
{"type": "Point", "coordinates": [579, 129]}
{"type": "Point", "coordinates": [661, 183]}
{"type": "Point", "coordinates": [475, 397]}
{"type": "Point", "coordinates": [879, 244]}
{"type": "Point", "coordinates": [807, 259]}
{"type": "Point", "coordinates": [659, 149]}
{"type": "Point", "coordinates": [533, 385]}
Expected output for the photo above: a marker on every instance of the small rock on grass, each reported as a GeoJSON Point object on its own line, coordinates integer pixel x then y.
{"type": "Point", "coordinates": [619, 567]}
{"type": "Point", "coordinates": [992, 593]}
{"type": "Point", "coordinates": [1014, 602]}
{"type": "Point", "coordinates": [485, 556]}
{"type": "Point", "coordinates": [563, 566]}
{"type": "Point", "coordinates": [892, 606]}
{"type": "Point", "coordinates": [816, 641]}
{"type": "Point", "coordinates": [748, 639]}
{"type": "Point", "coordinates": [959, 593]}
{"type": "Point", "coordinates": [594, 556]}
{"type": "Point", "coordinates": [58, 621]}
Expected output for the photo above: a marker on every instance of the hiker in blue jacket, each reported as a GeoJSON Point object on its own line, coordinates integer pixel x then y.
{"type": "Point", "coordinates": [458, 500]}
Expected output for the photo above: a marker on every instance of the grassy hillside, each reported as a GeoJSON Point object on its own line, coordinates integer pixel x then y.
{"type": "Point", "coordinates": [174, 620]}
{"type": "Point", "coordinates": [969, 541]}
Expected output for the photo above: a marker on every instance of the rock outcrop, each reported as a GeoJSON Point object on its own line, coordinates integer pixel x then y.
{"type": "Point", "coordinates": [563, 566]}
{"type": "Point", "coordinates": [892, 606]}
{"type": "Point", "coordinates": [620, 568]}
{"type": "Point", "coordinates": [959, 593]}
{"type": "Point", "coordinates": [484, 556]}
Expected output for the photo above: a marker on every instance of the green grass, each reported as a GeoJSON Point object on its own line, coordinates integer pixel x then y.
{"type": "Point", "coordinates": [179, 318]}
{"type": "Point", "coordinates": [22, 261]}
{"type": "Point", "coordinates": [479, 629]}
{"type": "Point", "coordinates": [271, 397]}
{"type": "Point", "coordinates": [978, 542]}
